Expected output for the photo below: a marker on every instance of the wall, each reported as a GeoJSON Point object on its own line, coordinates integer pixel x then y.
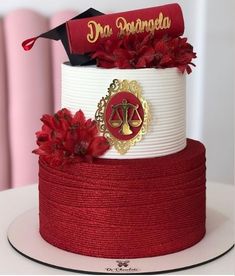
{"type": "Point", "coordinates": [210, 27]}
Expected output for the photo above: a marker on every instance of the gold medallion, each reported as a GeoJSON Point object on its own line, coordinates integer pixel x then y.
{"type": "Point", "coordinates": [123, 115]}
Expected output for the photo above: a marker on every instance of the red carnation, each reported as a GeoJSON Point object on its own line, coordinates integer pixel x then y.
{"type": "Point", "coordinates": [66, 138]}
{"type": "Point", "coordinates": [136, 51]}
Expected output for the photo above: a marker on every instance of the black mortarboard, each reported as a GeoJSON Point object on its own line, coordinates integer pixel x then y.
{"type": "Point", "coordinates": [60, 33]}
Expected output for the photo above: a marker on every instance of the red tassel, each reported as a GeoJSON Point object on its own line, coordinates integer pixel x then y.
{"type": "Point", "coordinates": [28, 43]}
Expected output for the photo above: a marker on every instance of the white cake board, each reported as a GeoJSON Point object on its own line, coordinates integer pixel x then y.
{"type": "Point", "coordinates": [23, 235]}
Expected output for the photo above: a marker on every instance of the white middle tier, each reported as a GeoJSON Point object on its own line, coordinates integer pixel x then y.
{"type": "Point", "coordinates": [163, 89]}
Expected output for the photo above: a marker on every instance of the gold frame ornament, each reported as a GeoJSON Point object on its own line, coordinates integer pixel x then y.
{"type": "Point", "coordinates": [122, 146]}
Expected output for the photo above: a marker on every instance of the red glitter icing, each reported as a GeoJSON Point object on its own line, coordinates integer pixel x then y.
{"type": "Point", "coordinates": [125, 208]}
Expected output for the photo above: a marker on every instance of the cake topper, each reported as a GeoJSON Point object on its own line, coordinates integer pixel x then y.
{"type": "Point", "coordinates": [82, 34]}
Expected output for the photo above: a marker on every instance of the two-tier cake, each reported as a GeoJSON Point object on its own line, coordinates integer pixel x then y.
{"type": "Point", "coordinates": [127, 183]}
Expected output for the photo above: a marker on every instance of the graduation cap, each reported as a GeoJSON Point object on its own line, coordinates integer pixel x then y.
{"type": "Point", "coordinates": [82, 34]}
{"type": "Point", "coordinates": [60, 33]}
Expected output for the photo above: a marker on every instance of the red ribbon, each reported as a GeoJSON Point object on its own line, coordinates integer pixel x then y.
{"type": "Point", "coordinates": [125, 208]}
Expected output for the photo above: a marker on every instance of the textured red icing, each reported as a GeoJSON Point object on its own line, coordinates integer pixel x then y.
{"type": "Point", "coordinates": [125, 208]}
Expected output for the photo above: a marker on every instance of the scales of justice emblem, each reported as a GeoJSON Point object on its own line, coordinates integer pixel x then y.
{"type": "Point", "coordinates": [123, 115]}
{"type": "Point", "coordinates": [124, 121]}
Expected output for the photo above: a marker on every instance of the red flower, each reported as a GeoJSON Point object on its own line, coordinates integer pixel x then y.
{"type": "Point", "coordinates": [66, 138]}
{"type": "Point", "coordinates": [135, 51]}
{"type": "Point", "coordinates": [182, 54]}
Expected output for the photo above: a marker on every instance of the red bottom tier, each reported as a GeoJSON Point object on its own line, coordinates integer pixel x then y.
{"type": "Point", "coordinates": [125, 208]}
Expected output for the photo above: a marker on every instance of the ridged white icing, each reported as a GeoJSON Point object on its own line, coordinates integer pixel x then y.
{"type": "Point", "coordinates": [164, 89]}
